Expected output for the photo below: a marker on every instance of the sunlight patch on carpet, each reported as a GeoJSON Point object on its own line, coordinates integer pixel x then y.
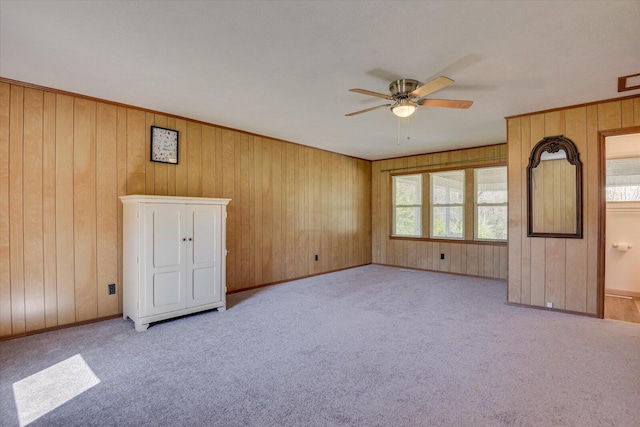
{"type": "Point", "coordinates": [44, 391]}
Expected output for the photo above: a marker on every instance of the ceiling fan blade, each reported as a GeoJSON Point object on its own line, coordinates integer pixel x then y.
{"type": "Point", "coordinates": [367, 110]}
{"type": "Point", "coordinates": [368, 92]}
{"type": "Point", "coordinates": [447, 103]}
{"type": "Point", "coordinates": [432, 86]}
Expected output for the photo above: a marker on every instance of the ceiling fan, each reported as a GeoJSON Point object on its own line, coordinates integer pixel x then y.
{"type": "Point", "coordinates": [408, 94]}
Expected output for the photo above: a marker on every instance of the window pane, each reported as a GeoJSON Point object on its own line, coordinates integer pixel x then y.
{"type": "Point", "coordinates": [447, 187]}
{"type": "Point", "coordinates": [491, 189]}
{"type": "Point", "coordinates": [407, 209]}
{"type": "Point", "coordinates": [408, 189]}
{"type": "Point", "coordinates": [408, 221]}
{"type": "Point", "coordinates": [491, 185]}
{"type": "Point", "coordinates": [623, 180]}
{"type": "Point", "coordinates": [491, 223]}
{"type": "Point", "coordinates": [447, 222]}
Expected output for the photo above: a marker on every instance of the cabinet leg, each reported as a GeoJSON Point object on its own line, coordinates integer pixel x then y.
{"type": "Point", "coordinates": [141, 327]}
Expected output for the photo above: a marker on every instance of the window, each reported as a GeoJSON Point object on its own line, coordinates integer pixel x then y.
{"type": "Point", "coordinates": [623, 180]}
{"type": "Point", "coordinates": [407, 205]}
{"type": "Point", "coordinates": [491, 203]}
{"type": "Point", "coordinates": [447, 204]}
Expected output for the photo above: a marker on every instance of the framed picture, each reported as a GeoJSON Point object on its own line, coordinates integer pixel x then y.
{"type": "Point", "coordinates": [164, 145]}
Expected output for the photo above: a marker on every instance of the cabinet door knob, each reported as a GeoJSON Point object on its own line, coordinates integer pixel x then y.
{"type": "Point", "coordinates": [190, 239]}
{"type": "Point", "coordinates": [184, 239]}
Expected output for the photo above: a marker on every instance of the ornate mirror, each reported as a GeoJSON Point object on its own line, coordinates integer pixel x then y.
{"type": "Point", "coordinates": [554, 189]}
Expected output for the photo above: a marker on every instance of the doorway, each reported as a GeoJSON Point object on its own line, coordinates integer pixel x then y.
{"type": "Point", "coordinates": [621, 222]}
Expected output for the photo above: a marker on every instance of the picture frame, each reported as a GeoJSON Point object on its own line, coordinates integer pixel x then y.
{"type": "Point", "coordinates": [164, 145]}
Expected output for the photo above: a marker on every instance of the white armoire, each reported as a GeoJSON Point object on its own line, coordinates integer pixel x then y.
{"type": "Point", "coordinates": [173, 256]}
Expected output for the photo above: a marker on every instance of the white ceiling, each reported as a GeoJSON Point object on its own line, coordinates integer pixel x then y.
{"type": "Point", "coordinates": [283, 69]}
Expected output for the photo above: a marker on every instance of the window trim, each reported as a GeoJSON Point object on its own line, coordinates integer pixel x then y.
{"type": "Point", "coordinates": [463, 205]}
{"type": "Point", "coordinates": [394, 207]}
{"type": "Point", "coordinates": [426, 219]}
{"type": "Point", "coordinates": [476, 205]}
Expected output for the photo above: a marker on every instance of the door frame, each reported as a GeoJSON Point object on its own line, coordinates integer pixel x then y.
{"type": "Point", "coordinates": [602, 207]}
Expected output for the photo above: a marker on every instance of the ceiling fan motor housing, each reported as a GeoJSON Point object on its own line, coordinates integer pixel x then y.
{"type": "Point", "coordinates": [400, 89]}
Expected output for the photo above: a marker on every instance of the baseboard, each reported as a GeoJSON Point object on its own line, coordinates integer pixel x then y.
{"type": "Point", "coordinates": [294, 278]}
{"type": "Point", "coordinates": [55, 328]}
{"type": "Point", "coordinates": [558, 310]}
{"type": "Point", "coordinates": [623, 293]}
{"type": "Point", "coordinates": [440, 271]}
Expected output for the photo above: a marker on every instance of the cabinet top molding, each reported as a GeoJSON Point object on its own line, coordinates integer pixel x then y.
{"type": "Point", "coordinates": [137, 198]}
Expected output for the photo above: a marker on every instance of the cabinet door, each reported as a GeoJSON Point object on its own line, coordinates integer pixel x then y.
{"type": "Point", "coordinates": [203, 254]}
{"type": "Point", "coordinates": [165, 257]}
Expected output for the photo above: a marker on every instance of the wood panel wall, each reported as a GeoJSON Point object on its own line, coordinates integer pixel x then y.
{"type": "Point", "coordinates": [560, 271]}
{"type": "Point", "coordinates": [64, 160]}
{"type": "Point", "coordinates": [476, 259]}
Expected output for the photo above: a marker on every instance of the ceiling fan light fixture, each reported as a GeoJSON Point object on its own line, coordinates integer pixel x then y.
{"type": "Point", "coordinates": [404, 108]}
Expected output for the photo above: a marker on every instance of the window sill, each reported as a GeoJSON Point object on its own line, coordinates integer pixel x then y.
{"type": "Point", "coordinates": [462, 241]}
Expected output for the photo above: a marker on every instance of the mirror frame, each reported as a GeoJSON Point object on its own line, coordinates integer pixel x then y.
{"type": "Point", "coordinates": [553, 144]}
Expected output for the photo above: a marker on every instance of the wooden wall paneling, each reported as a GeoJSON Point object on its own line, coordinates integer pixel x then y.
{"type": "Point", "coordinates": [49, 209]}
{"type": "Point", "coordinates": [472, 260]}
{"type": "Point", "coordinates": [258, 149]}
{"type": "Point", "coordinates": [121, 173]}
{"type": "Point", "coordinates": [503, 262]}
{"type": "Point", "coordinates": [366, 214]}
{"type": "Point", "coordinates": [316, 179]}
{"type": "Point", "coordinates": [384, 209]}
{"type": "Point", "coordinates": [16, 229]}
{"type": "Point", "coordinates": [194, 159]}
{"type": "Point", "coordinates": [208, 161]}
{"type": "Point", "coordinates": [290, 199]}
{"type": "Point", "coordinates": [182, 168]}
{"type": "Point", "coordinates": [250, 277]}
{"type": "Point", "coordinates": [267, 212]}
{"type": "Point", "coordinates": [106, 207]}
{"type": "Point", "coordinates": [334, 203]}
{"type": "Point", "coordinates": [244, 272]}
{"type": "Point", "coordinates": [136, 152]}
{"type": "Point", "coordinates": [5, 260]}
{"type": "Point", "coordinates": [515, 214]}
{"type": "Point", "coordinates": [626, 107]}
{"type": "Point", "coordinates": [218, 163]}
{"type": "Point", "coordinates": [496, 261]}
{"type": "Point", "coordinates": [303, 219]}
{"type": "Point", "coordinates": [636, 112]}
{"type": "Point", "coordinates": [84, 208]}
{"type": "Point", "coordinates": [32, 209]}
{"type": "Point", "coordinates": [555, 274]}
{"type": "Point", "coordinates": [236, 170]}
{"type": "Point", "coordinates": [482, 265]}
{"type": "Point", "coordinates": [525, 145]}
{"type": "Point", "coordinates": [228, 191]}
{"type": "Point", "coordinates": [454, 256]}
{"type": "Point", "coordinates": [576, 271]}
{"type": "Point", "coordinates": [65, 251]}
{"type": "Point", "coordinates": [277, 218]}
{"type": "Point", "coordinates": [538, 244]}
{"type": "Point", "coordinates": [160, 170]}
{"type": "Point", "coordinates": [609, 115]}
{"type": "Point", "coordinates": [149, 166]}
{"type": "Point", "coordinates": [171, 169]}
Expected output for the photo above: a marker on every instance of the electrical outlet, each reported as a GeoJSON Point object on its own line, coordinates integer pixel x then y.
{"type": "Point", "coordinates": [441, 256]}
{"type": "Point", "coordinates": [316, 257]}
{"type": "Point", "coordinates": [112, 288]}
{"type": "Point", "coordinates": [549, 305]}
